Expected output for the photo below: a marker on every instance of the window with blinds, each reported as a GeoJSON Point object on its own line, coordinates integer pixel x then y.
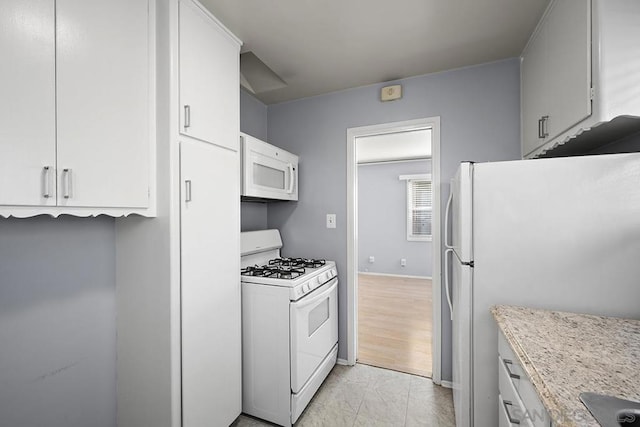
{"type": "Point", "coordinates": [419, 209]}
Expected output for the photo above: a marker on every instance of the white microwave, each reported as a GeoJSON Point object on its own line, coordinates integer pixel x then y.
{"type": "Point", "coordinates": [268, 172]}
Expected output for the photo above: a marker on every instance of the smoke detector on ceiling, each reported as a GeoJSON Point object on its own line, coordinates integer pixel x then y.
{"type": "Point", "coordinates": [256, 76]}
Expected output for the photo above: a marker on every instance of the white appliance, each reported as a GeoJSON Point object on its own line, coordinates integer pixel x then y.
{"type": "Point", "coordinates": [268, 172]}
{"type": "Point", "coordinates": [560, 234]}
{"type": "Point", "coordinates": [289, 327]}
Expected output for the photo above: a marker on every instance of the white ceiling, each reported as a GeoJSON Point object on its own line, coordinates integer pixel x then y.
{"type": "Point", "coordinates": [321, 46]}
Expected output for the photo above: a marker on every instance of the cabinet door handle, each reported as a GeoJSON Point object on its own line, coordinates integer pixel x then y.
{"type": "Point", "coordinates": [187, 190]}
{"type": "Point", "coordinates": [46, 192]}
{"type": "Point", "coordinates": [67, 183]}
{"type": "Point", "coordinates": [187, 116]}
{"type": "Point", "coordinates": [508, 405]}
{"type": "Point", "coordinates": [545, 119]}
{"type": "Point", "coordinates": [507, 364]}
{"type": "Point", "coordinates": [540, 134]}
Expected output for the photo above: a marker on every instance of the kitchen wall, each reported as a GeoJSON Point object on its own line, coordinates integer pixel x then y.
{"type": "Point", "coordinates": [253, 115]}
{"type": "Point", "coordinates": [57, 322]}
{"type": "Point", "coordinates": [253, 121]}
{"type": "Point", "coordinates": [382, 220]}
{"type": "Point", "coordinates": [479, 108]}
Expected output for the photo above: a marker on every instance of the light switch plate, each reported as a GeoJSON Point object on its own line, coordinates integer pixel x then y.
{"type": "Point", "coordinates": [331, 220]}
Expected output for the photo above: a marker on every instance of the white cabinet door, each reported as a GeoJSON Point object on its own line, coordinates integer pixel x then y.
{"type": "Point", "coordinates": [103, 103]}
{"type": "Point", "coordinates": [534, 91]}
{"type": "Point", "coordinates": [27, 110]}
{"type": "Point", "coordinates": [568, 65]}
{"type": "Point", "coordinates": [209, 78]}
{"type": "Point", "coordinates": [556, 74]}
{"type": "Point", "coordinates": [210, 290]}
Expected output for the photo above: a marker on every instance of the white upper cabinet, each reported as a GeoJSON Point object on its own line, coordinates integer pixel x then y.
{"type": "Point", "coordinates": [533, 92]}
{"type": "Point", "coordinates": [103, 103]}
{"type": "Point", "coordinates": [77, 117]}
{"type": "Point", "coordinates": [556, 73]}
{"type": "Point", "coordinates": [209, 78]}
{"type": "Point", "coordinates": [579, 77]}
{"type": "Point", "coordinates": [569, 65]}
{"type": "Point", "coordinates": [27, 110]}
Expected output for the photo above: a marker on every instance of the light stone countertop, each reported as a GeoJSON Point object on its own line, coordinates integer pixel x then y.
{"type": "Point", "coordinates": [565, 354]}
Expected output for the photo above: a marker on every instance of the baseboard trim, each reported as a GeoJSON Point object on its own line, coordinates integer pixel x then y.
{"type": "Point", "coordinates": [368, 273]}
{"type": "Point", "coordinates": [446, 384]}
{"type": "Point", "coordinates": [344, 362]}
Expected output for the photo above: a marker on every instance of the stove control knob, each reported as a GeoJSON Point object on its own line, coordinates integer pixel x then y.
{"type": "Point", "coordinates": [305, 287]}
{"type": "Point", "coordinates": [334, 272]}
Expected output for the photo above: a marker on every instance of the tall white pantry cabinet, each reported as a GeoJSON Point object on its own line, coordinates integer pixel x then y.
{"type": "Point", "coordinates": [178, 283]}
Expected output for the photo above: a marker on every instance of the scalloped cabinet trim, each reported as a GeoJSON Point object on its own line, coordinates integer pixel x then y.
{"type": "Point", "coordinates": [78, 121]}
{"type": "Point", "coordinates": [27, 212]}
{"type": "Point", "coordinates": [579, 85]}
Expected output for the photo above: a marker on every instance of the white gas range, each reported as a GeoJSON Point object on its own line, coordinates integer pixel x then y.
{"type": "Point", "coordinates": [289, 327]}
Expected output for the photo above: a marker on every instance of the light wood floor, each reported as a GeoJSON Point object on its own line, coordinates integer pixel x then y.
{"type": "Point", "coordinates": [394, 323]}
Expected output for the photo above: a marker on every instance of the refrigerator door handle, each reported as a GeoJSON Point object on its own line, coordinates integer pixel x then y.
{"type": "Point", "coordinates": [446, 279]}
{"type": "Point", "coordinates": [446, 221]}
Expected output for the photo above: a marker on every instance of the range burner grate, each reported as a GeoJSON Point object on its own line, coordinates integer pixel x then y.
{"type": "Point", "coordinates": [273, 271]}
{"type": "Point", "coordinates": [288, 272]}
{"type": "Point", "coordinates": [297, 262]}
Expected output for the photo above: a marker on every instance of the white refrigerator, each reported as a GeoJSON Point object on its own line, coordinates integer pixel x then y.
{"type": "Point", "coordinates": [560, 234]}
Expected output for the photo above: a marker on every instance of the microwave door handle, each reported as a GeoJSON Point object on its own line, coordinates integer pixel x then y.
{"type": "Point", "coordinates": [291, 178]}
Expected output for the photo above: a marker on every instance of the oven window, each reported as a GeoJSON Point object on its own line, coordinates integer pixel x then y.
{"type": "Point", "coordinates": [318, 316]}
{"type": "Point", "coordinates": [268, 177]}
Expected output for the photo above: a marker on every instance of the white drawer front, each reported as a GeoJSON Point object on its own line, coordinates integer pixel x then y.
{"type": "Point", "coordinates": [507, 384]}
{"type": "Point", "coordinates": [516, 388]}
{"type": "Point", "coordinates": [536, 413]}
{"type": "Point", "coordinates": [503, 417]}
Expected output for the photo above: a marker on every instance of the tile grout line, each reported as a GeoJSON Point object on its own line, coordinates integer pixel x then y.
{"type": "Point", "coordinates": [361, 401]}
{"type": "Point", "coordinates": [406, 412]}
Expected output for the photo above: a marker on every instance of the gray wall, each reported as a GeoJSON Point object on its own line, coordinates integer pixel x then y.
{"type": "Point", "coordinates": [57, 322]}
{"type": "Point", "coordinates": [253, 116]}
{"type": "Point", "coordinates": [382, 221]}
{"type": "Point", "coordinates": [253, 121]}
{"type": "Point", "coordinates": [479, 109]}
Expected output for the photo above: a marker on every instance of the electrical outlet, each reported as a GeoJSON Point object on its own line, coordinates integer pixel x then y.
{"type": "Point", "coordinates": [372, 260]}
{"type": "Point", "coordinates": [403, 262]}
{"type": "Point", "coordinates": [331, 220]}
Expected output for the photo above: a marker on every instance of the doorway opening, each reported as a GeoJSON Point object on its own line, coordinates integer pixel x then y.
{"type": "Point", "coordinates": [393, 285]}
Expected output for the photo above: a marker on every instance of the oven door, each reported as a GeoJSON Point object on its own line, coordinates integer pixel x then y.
{"type": "Point", "coordinates": [314, 331]}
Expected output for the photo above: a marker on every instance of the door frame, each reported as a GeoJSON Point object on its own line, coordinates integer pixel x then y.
{"type": "Point", "coordinates": [432, 123]}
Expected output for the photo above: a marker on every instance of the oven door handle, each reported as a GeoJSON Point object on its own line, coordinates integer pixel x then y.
{"type": "Point", "coordinates": [307, 301]}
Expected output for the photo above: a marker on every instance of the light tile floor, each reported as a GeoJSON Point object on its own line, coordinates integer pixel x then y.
{"type": "Point", "coordinates": [364, 395]}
